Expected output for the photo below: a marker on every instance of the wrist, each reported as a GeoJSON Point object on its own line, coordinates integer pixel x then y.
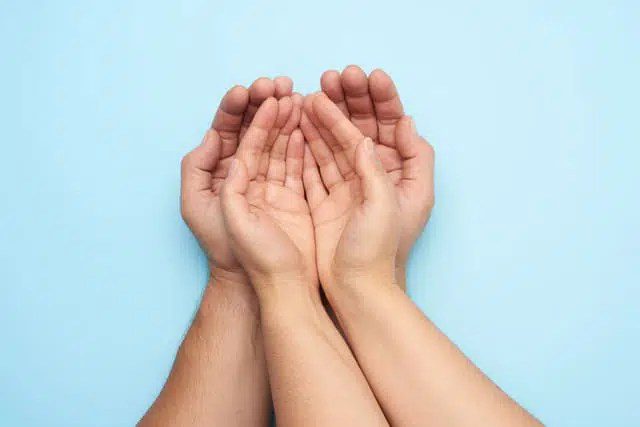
{"type": "Point", "coordinates": [381, 272]}
{"type": "Point", "coordinates": [228, 290]}
{"type": "Point", "coordinates": [401, 275]}
{"type": "Point", "coordinates": [287, 296]}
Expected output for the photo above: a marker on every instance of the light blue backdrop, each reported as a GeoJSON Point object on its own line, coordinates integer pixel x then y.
{"type": "Point", "coordinates": [531, 259]}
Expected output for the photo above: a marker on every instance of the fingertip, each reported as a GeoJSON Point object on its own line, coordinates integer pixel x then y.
{"type": "Point", "coordinates": [261, 89]}
{"type": "Point", "coordinates": [354, 79]}
{"type": "Point", "coordinates": [381, 86]}
{"type": "Point", "coordinates": [283, 86]}
{"type": "Point", "coordinates": [330, 82]}
{"type": "Point", "coordinates": [267, 114]}
{"type": "Point", "coordinates": [297, 98]}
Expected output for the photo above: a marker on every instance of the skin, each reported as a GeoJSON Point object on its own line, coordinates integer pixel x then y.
{"type": "Point", "coordinates": [372, 104]}
{"type": "Point", "coordinates": [223, 348]}
{"type": "Point", "coordinates": [418, 376]}
{"type": "Point", "coordinates": [314, 378]}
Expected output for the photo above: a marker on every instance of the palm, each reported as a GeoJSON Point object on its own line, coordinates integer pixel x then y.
{"type": "Point", "coordinates": [372, 104]}
{"type": "Point", "coordinates": [284, 216]}
{"type": "Point", "coordinates": [210, 164]}
{"type": "Point", "coordinates": [331, 220]}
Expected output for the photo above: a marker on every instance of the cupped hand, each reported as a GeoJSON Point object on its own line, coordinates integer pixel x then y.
{"type": "Point", "coordinates": [263, 202]}
{"type": "Point", "coordinates": [205, 168]}
{"type": "Point", "coordinates": [373, 106]}
{"type": "Point", "coordinates": [352, 199]}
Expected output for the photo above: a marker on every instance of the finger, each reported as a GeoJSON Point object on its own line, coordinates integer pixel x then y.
{"type": "Point", "coordinates": [387, 104]}
{"type": "Point", "coordinates": [255, 138]}
{"type": "Point", "coordinates": [331, 84]}
{"type": "Point", "coordinates": [235, 208]}
{"type": "Point", "coordinates": [416, 154]}
{"type": "Point", "coordinates": [294, 162]}
{"type": "Point", "coordinates": [198, 165]}
{"type": "Point", "coordinates": [313, 186]}
{"type": "Point", "coordinates": [322, 154]}
{"type": "Point", "coordinates": [277, 140]}
{"type": "Point", "coordinates": [341, 160]}
{"type": "Point", "coordinates": [283, 86]}
{"type": "Point", "coordinates": [259, 91]}
{"type": "Point", "coordinates": [356, 92]}
{"type": "Point", "coordinates": [330, 117]}
{"type": "Point", "coordinates": [376, 186]}
{"type": "Point", "coordinates": [228, 118]}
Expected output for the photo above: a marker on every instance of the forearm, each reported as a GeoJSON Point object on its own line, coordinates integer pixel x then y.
{"type": "Point", "coordinates": [418, 375]}
{"type": "Point", "coordinates": [219, 375]}
{"type": "Point", "coordinates": [314, 378]}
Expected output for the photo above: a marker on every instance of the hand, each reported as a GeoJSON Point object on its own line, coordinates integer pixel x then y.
{"type": "Point", "coordinates": [205, 168]}
{"type": "Point", "coordinates": [263, 204]}
{"type": "Point", "coordinates": [374, 107]}
{"type": "Point", "coordinates": [352, 199]}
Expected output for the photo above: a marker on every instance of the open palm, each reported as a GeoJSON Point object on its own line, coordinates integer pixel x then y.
{"type": "Point", "coordinates": [263, 199]}
{"type": "Point", "coordinates": [373, 106]}
{"type": "Point", "coordinates": [205, 168]}
{"type": "Point", "coordinates": [349, 227]}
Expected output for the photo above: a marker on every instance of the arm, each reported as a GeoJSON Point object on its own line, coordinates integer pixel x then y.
{"type": "Point", "coordinates": [314, 378]}
{"type": "Point", "coordinates": [421, 375]}
{"type": "Point", "coordinates": [218, 377]}
{"type": "Point", "coordinates": [417, 374]}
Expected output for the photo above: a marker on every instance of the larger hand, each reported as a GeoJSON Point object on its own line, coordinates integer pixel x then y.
{"type": "Point", "coordinates": [205, 168]}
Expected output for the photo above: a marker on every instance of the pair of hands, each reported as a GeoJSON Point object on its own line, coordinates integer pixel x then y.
{"type": "Point", "coordinates": [268, 207]}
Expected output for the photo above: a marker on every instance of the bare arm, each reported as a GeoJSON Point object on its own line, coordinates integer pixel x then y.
{"type": "Point", "coordinates": [315, 379]}
{"type": "Point", "coordinates": [218, 377]}
{"type": "Point", "coordinates": [416, 372]}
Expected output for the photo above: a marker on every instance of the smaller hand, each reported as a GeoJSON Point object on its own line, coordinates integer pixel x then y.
{"type": "Point", "coordinates": [373, 105]}
{"type": "Point", "coordinates": [263, 204]}
{"type": "Point", "coordinates": [355, 212]}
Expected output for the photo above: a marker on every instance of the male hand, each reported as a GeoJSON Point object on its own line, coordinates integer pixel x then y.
{"type": "Point", "coordinates": [205, 168]}
{"type": "Point", "coordinates": [373, 106]}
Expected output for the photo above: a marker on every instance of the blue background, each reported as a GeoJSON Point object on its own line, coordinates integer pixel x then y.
{"type": "Point", "coordinates": [530, 262]}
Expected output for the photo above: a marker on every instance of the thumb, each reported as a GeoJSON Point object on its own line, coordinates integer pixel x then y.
{"type": "Point", "coordinates": [375, 183]}
{"type": "Point", "coordinates": [235, 208]}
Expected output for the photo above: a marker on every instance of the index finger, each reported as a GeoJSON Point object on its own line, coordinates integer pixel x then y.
{"type": "Point", "coordinates": [331, 118]}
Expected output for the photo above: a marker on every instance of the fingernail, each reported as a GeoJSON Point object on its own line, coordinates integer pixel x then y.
{"type": "Point", "coordinates": [233, 168]}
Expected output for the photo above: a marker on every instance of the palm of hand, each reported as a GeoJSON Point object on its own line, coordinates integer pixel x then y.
{"type": "Point", "coordinates": [332, 219]}
{"type": "Point", "coordinates": [209, 165]}
{"type": "Point", "coordinates": [284, 213]}
{"type": "Point", "coordinates": [372, 104]}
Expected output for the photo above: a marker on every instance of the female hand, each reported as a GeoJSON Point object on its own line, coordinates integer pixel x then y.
{"type": "Point", "coordinates": [373, 106]}
{"type": "Point", "coordinates": [353, 202]}
{"type": "Point", "coordinates": [263, 203]}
